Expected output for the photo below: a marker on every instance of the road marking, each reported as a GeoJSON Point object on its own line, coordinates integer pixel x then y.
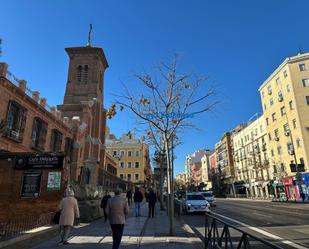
{"type": "Point", "coordinates": [261, 231]}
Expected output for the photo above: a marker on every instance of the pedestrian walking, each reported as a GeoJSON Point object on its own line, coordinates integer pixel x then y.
{"type": "Point", "coordinates": [69, 211]}
{"type": "Point", "coordinates": [105, 198]}
{"type": "Point", "coordinates": [129, 196]}
{"type": "Point", "coordinates": [138, 198]}
{"type": "Point", "coordinates": [152, 199]}
{"type": "Point", "coordinates": [117, 211]}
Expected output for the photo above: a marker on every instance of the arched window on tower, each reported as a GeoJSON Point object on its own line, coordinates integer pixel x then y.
{"type": "Point", "coordinates": [85, 74]}
{"type": "Point", "coordinates": [79, 74]}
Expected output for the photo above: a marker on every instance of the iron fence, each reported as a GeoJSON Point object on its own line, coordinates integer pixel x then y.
{"type": "Point", "coordinates": [20, 226]}
{"type": "Point", "coordinates": [218, 236]}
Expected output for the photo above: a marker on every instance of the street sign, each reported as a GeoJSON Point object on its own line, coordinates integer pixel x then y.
{"type": "Point", "coordinates": [31, 185]}
{"type": "Point", "coordinates": [43, 161]}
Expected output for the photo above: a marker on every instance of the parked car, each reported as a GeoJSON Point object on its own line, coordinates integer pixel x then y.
{"type": "Point", "coordinates": [210, 198]}
{"type": "Point", "coordinates": [195, 202]}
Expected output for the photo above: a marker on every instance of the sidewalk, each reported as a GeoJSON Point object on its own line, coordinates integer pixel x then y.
{"type": "Point", "coordinates": [139, 232]}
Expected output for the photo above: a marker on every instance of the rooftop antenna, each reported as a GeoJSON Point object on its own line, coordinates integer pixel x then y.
{"type": "Point", "coordinates": [89, 36]}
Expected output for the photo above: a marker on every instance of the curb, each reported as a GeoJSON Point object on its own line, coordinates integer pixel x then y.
{"type": "Point", "coordinates": [189, 232]}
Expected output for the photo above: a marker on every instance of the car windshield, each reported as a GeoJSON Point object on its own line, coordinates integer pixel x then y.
{"type": "Point", "coordinates": [207, 194]}
{"type": "Point", "coordinates": [195, 197]}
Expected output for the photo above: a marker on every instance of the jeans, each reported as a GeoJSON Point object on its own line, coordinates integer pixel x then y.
{"type": "Point", "coordinates": [64, 233]}
{"type": "Point", "coordinates": [137, 209]}
{"type": "Point", "coordinates": [151, 210]}
{"type": "Point", "coordinates": [117, 234]}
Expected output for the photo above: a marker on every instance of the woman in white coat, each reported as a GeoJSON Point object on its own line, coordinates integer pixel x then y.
{"type": "Point", "coordinates": [69, 211]}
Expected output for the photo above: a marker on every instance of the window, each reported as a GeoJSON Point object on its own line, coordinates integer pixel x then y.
{"type": "Point", "coordinates": [261, 128]}
{"type": "Point", "coordinates": [137, 153]}
{"type": "Point", "coordinates": [307, 100]}
{"type": "Point", "coordinates": [15, 121]}
{"type": "Point", "coordinates": [271, 101]}
{"type": "Point", "coordinates": [280, 96]}
{"type": "Point", "coordinates": [305, 82]}
{"type": "Point", "coordinates": [129, 153]}
{"type": "Point", "coordinates": [129, 164]}
{"type": "Point", "coordinates": [276, 133]}
{"type": "Point", "coordinates": [121, 164]}
{"type": "Point", "coordinates": [272, 152]}
{"type": "Point", "coordinates": [267, 121]}
{"type": "Point", "coordinates": [279, 150]}
{"type": "Point", "coordinates": [79, 74]}
{"type": "Point", "coordinates": [294, 123]}
{"type": "Point", "coordinates": [39, 131]}
{"type": "Point", "coordinates": [288, 88]}
{"type": "Point", "coordinates": [291, 105]}
{"type": "Point", "coordinates": [277, 80]}
{"type": "Point", "coordinates": [121, 176]}
{"type": "Point", "coordinates": [115, 153]}
{"type": "Point", "coordinates": [298, 142]}
{"type": "Point", "coordinates": [283, 112]}
{"type": "Point", "coordinates": [122, 153]}
{"type": "Point", "coordinates": [269, 89]}
{"type": "Point", "coordinates": [285, 74]}
{"type": "Point", "coordinates": [289, 146]}
{"type": "Point", "coordinates": [67, 145]}
{"type": "Point", "coordinates": [85, 74]}
{"type": "Point", "coordinates": [136, 177]}
{"type": "Point", "coordinates": [301, 160]}
{"type": "Point", "coordinates": [129, 177]}
{"type": "Point", "coordinates": [286, 128]}
{"type": "Point", "coordinates": [56, 140]}
{"type": "Point", "coordinates": [269, 136]}
{"type": "Point", "coordinates": [136, 164]}
{"type": "Point", "coordinates": [274, 117]}
{"type": "Point", "coordinates": [302, 67]}
{"type": "Point", "coordinates": [264, 107]}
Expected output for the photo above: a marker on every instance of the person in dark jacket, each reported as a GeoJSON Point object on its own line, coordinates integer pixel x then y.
{"type": "Point", "coordinates": [152, 199]}
{"type": "Point", "coordinates": [129, 196]}
{"type": "Point", "coordinates": [105, 198]}
{"type": "Point", "coordinates": [138, 198]}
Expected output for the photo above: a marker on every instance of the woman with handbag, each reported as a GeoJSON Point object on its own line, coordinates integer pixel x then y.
{"type": "Point", "coordinates": [69, 211]}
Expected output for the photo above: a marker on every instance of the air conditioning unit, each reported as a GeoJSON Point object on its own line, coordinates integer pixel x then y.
{"type": "Point", "coordinates": [276, 138]}
{"type": "Point", "coordinates": [291, 152]}
{"type": "Point", "coordinates": [14, 134]}
{"type": "Point", "coordinates": [287, 133]}
{"type": "Point", "coordinates": [280, 98]}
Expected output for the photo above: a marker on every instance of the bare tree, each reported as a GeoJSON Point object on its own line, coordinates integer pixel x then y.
{"type": "Point", "coordinates": [165, 106]}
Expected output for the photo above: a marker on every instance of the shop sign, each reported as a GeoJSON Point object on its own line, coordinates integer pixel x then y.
{"type": "Point", "coordinates": [43, 161]}
{"type": "Point", "coordinates": [287, 181]}
{"type": "Point", "coordinates": [31, 185]}
{"type": "Point", "coordinates": [54, 181]}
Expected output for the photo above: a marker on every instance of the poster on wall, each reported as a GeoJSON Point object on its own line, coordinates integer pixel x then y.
{"type": "Point", "coordinates": [31, 185]}
{"type": "Point", "coordinates": [54, 181]}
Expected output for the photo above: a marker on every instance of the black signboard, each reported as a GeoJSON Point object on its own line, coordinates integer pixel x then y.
{"type": "Point", "coordinates": [43, 161]}
{"type": "Point", "coordinates": [300, 168]}
{"type": "Point", "coordinates": [31, 185]}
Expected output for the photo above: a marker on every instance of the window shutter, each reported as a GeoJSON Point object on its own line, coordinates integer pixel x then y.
{"type": "Point", "coordinates": [22, 123]}
{"type": "Point", "coordinates": [52, 140]}
{"type": "Point", "coordinates": [42, 136]}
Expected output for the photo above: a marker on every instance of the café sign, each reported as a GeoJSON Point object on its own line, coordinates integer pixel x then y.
{"type": "Point", "coordinates": [40, 161]}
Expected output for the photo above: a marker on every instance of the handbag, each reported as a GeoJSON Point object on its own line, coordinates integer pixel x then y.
{"type": "Point", "coordinates": [56, 217]}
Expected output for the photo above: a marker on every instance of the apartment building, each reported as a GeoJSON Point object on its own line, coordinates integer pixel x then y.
{"type": "Point", "coordinates": [285, 102]}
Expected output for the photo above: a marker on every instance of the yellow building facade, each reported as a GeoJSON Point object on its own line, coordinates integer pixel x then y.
{"type": "Point", "coordinates": [132, 156]}
{"type": "Point", "coordinates": [285, 103]}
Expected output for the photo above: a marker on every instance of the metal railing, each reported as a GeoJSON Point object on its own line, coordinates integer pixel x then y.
{"type": "Point", "coordinates": [14, 228]}
{"type": "Point", "coordinates": [218, 236]}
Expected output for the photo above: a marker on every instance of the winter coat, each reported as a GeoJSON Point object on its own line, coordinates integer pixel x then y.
{"type": "Point", "coordinates": [138, 196]}
{"type": "Point", "coordinates": [117, 210]}
{"type": "Point", "coordinates": [104, 200]}
{"type": "Point", "coordinates": [69, 210]}
{"type": "Point", "coordinates": [129, 194]}
{"type": "Point", "coordinates": [152, 198]}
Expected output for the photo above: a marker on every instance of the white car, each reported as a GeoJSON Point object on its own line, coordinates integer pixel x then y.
{"type": "Point", "coordinates": [195, 202]}
{"type": "Point", "coordinates": [210, 198]}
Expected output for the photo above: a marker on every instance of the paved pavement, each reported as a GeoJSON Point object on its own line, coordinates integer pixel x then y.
{"type": "Point", "coordinates": [140, 232]}
{"type": "Point", "coordinates": [285, 224]}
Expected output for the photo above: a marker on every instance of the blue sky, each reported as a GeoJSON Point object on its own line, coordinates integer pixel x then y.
{"type": "Point", "coordinates": [236, 43]}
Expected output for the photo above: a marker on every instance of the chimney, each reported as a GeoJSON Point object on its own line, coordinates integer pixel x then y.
{"type": "Point", "coordinates": [3, 69]}
{"type": "Point", "coordinates": [22, 85]}
{"type": "Point", "coordinates": [43, 102]}
{"type": "Point", "coordinates": [36, 96]}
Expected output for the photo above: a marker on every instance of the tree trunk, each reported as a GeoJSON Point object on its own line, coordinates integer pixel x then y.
{"type": "Point", "coordinates": [161, 181]}
{"type": "Point", "coordinates": [170, 191]}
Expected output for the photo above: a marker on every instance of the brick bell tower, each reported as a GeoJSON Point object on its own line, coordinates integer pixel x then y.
{"type": "Point", "coordinates": [83, 105]}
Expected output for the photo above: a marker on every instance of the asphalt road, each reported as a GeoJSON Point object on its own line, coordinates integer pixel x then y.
{"type": "Point", "coordinates": [285, 224]}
